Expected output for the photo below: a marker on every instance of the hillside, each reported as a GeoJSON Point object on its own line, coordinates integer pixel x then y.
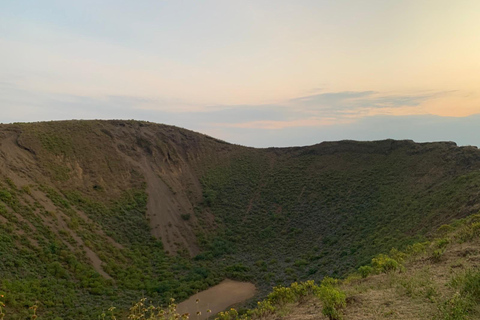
{"type": "Point", "coordinates": [438, 279]}
{"type": "Point", "coordinates": [100, 213]}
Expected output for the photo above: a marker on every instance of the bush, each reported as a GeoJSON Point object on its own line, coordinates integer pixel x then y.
{"type": "Point", "coordinates": [416, 248]}
{"type": "Point", "coordinates": [231, 314]}
{"type": "Point", "coordinates": [303, 290]}
{"type": "Point", "coordinates": [445, 229]}
{"type": "Point", "coordinates": [457, 308]}
{"type": "Point", "coordinates": [278, 298]}
{"type": "Point", "coordinates": [442, 243]}
{"type": "Point", "coordinates": [142, 311]}
{"type": "Point", "coordinates": [5, 196]}
{"type": "Point", "coordinates": [333, 300]}
{"type": "Point", "coordinates": [2, 305]}
{"type": "Point", "coordinates": [263, 309]}
{"type": "Point", "coordinates": [384, 263]}
{"type": "Point", "coordinates": [365, 271]}
{"type": "Point", "coordinates": [209, 197]}
{"type": "Point", "coordinates": [300, 263]}
{"type": "Point", "coordinates": [469, 232]}
{"type": "Point", "coordinates": [470, 285]}
{"type": "Point", "coordinates": [237, 271]}
{"type": "Point", "coordinates": [329, 281]}
{"type": "Point", "coordinates": [281, 295]}
{"type": "Point", "coordinates": [397, 255]}
{"type": "Point", "coordinates": [438, 254]}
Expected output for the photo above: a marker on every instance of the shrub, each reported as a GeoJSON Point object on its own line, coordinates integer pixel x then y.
{"type": "Point", "coordinates": [416, 248]}
{"type": "Point", "coordinates": [445, 229]}
{"type": "Point", "coordinates": [209, 197]}
{"type": "Point", "coordinates": [365, 271]}
{"type": "Point", "coordinates": [438, 254]}
{"type": "Point", "coordinates": [300, 263]}
{"type": "Point", "coordinates": [278, 298]}
{"type": "Point", "coordinates": [2, 306]}
{"type": "Point", "coordinates": [237, 271]}
{"type": "Point", "coordinates": [290, 271]}
{"type": "Point", "coordinates": [231, 314]}
{"type": "Point", "coordinates": [470, 284]}
{"type": "Point", "coordinates": [469, 232]}
{"type": "Point", "coordinates": [141, 311]}
{"type": "Point", "coordinates": [3, 209]}
{"type": "Point", "coordinates": [5, 196]}
{"type": "Point", "coordinates": [281, 295]}
{"type": "Point", "coordinates": [397, 255]}
{"type": "Point", "coordinates": [263, 309]}
{"type": "Point", "coordinates": [456, 308]}
{"type": "Point", "coordinates": [465, 299]}
{"type": "Point", "coordinates": [442, 243]}
{"type": "Point", "coordinates": [384, 263]}
{"type": "Point", "coordinates": [303, 290]}
{"type": "Point", "coordinates": [27, 189]}
{"type": "Point", "coordinates": [329, 281]}
{"type": "Point", "coordinates": [333, 300]}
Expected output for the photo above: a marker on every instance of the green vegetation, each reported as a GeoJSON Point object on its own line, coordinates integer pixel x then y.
{"type": "Point", "coordinates": [57, 273]}
{"type": "Point", "coordinates": [365, 271]}
{"type": "Point", "coordinates": [415, 288]}
{"type": "Point", "coordinates": [321, 212]}
{"type": "Point", "coordinates": [150, 312]}
{"type": "Point", "coordinates": [281, 298]}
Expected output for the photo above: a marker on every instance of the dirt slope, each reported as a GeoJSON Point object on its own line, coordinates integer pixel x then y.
{"type": "Point", "coordinates": [216, 299]}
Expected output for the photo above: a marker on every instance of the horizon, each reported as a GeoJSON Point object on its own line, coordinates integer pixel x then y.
{"type": "Point", "coordinates": [255, 147]}
{"type": "Point", "coordinates": [259, 74]}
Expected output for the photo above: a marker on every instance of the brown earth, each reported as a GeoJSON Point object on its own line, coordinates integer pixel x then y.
{"type": "Point", "coordinates": [216, 299]}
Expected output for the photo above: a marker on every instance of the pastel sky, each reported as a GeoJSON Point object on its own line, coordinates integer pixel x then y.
{"type": "Point", "coordinates": [253, 72]}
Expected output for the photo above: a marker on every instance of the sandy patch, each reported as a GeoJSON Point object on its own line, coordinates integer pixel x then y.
{"type": "Point", "coordinates": [217, 299]}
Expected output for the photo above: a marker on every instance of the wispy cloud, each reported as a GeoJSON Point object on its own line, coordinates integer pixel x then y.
{"type": "Point", "coordinates": [351, 102]}
{"type": "Point", "coordinates": [275, 125]}
{"type": "Point", "coordinates": [321, 109]}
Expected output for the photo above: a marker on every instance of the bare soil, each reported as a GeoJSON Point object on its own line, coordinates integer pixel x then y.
{"type": "Point", "coordinates": [217, 299]}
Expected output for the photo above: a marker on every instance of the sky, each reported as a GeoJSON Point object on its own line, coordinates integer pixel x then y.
{"type": "Point", "coordinates": [253, 72]}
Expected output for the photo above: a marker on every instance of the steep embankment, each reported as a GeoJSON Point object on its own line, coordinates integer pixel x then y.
{"type": "Point", "coordinates": [102, 160]}
{"type": "Point", "coordinates": [439, 280]}
{"type": "Point", "coordinates": [95, 213]}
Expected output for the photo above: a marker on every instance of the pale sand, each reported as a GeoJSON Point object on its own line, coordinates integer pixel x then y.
{"type": "Point", "coordinates": [217, 298]}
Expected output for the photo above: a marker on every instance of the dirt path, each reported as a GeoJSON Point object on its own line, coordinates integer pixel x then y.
{"type": "Point", "coordinates": [217, 298]}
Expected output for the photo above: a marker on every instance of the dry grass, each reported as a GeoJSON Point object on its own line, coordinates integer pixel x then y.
{"type": "Point", "coordinates": [425, 289]}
